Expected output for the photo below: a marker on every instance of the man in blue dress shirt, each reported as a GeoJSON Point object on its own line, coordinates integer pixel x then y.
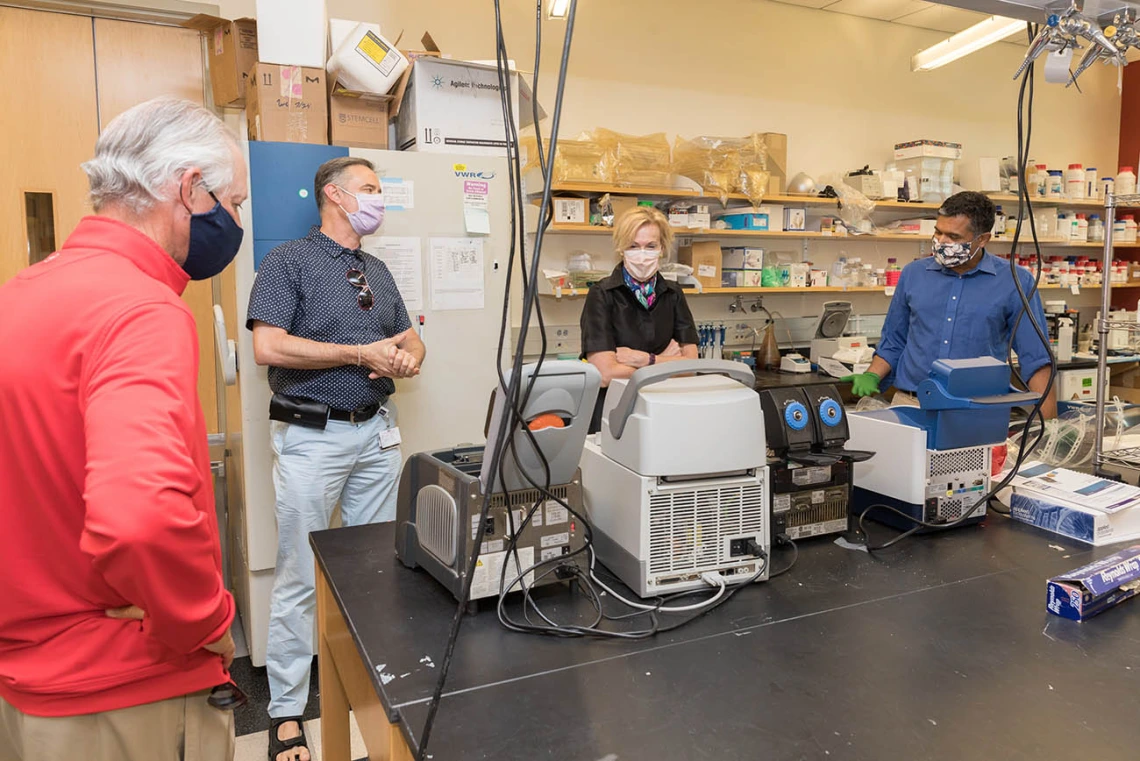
{"type": "Point", "coordinates": [960, 303]}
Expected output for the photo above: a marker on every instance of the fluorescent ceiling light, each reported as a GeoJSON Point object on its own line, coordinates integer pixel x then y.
{"type": "Point", "coordinates": [984, 33]}
{"type": "Point", "coordinates": [559, 8]}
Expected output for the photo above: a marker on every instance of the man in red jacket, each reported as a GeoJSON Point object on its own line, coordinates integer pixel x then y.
{"type": "Point", "coordinates": [114, 621]}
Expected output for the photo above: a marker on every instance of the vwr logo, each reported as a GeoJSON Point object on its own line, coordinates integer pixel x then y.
{"type": "Point", "coordinates": [462, 172]}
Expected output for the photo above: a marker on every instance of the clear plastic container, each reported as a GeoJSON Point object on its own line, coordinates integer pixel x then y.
{"type": "Point", "coordinates": [1125, 181]}
{"type": "Point", "coordinates": [1096, 229]}
{"type": "Point", "coordinates": [881, 276]}
{"type": "Point", "coordinates": [840, 272]}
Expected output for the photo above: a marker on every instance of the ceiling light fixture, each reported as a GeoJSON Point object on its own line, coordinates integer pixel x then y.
{"type": "Point", "coordinates": [559, 8]}
{"type": "Point", "coordinates": [980, 35]}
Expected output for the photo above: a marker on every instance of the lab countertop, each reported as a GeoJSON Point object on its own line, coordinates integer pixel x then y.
{"type": "Point", "coordinates": [939, 649]}
{"type": "Point", "coordinates": [777, 379]}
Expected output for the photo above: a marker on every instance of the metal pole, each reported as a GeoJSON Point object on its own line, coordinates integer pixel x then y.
{"type": "Point", "coordinates": [1102, 328]}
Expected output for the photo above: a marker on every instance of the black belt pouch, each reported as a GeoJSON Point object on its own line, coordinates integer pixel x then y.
{"type": "Point", "coordinates": [298, 411]}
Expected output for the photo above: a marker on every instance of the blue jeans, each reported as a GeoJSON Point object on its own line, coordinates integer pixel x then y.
{"type": "Point", "coordinates": [313, 471]}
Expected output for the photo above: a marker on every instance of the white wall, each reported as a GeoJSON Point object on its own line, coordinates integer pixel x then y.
{"type": "Point", "coordinates": [839, 86]}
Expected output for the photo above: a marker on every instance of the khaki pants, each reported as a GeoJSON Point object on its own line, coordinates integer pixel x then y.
{"type": "Point", "coordinates": [904, 399]}
{"type": "Point", "coordinates": [179, 729]}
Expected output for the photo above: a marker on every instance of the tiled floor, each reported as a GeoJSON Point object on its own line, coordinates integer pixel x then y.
{"type": "Point", "coordinates": [255, 747]}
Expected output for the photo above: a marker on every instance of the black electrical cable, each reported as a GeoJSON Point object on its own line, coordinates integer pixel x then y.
{"type": "Point", "coordinates": [517, 212]}
{"type": "Point", "coordinates": [1025, 210]}
{"type": "Point", "coordinates": [781, 540]}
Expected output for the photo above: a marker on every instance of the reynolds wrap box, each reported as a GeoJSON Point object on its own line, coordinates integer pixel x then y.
{"type": "Point", "coordinates": [1082, 593]}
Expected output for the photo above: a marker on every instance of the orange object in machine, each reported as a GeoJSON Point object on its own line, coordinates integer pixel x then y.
{"type": "Point", "coordinates": [546, 420]}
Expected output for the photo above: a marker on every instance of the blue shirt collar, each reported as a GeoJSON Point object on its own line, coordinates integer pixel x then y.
{"type": "Point", "coordinates": [987, 264]}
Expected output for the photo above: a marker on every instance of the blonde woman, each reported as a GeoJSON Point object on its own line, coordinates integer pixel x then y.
{"type": "Point", "coordinates": [635, 317]}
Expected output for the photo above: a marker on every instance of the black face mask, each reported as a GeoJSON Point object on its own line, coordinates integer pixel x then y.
{"type": "Point", "coordinates": [214, 242]}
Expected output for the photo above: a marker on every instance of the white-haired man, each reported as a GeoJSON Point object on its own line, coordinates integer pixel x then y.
{"type": "Point", "coordinates": [114, 621]}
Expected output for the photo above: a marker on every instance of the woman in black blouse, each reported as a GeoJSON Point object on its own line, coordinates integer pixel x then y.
{"type": "Point", "coordinates": [635, 317]}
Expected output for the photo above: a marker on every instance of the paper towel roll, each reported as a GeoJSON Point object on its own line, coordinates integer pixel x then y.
{"type": "Point", "coordinates": [1057, 66]}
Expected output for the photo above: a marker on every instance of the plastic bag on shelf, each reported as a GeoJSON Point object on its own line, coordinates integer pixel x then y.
{"type": "Point", "coordinates": [638, 159]}
{"type": "Point", "coordinates": [724, 165]}
{"type": "Point", "coordinates": [854, 208]}
{"type": "Point", "coordinates": [871, 403]}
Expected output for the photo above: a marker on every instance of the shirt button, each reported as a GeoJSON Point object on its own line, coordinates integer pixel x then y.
{"type": "Point", "coordinates": [955, 298]}
{"type": "Point", "coordinates": [948, 319]}
{"type": "Point", "coordinates": [945, 342]}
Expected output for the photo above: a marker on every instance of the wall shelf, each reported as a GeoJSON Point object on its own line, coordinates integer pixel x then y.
{"type": "Point", "coordinates": [681, 232]}
{"type": "Point", "coordinates": [1003, 200]}
{"type": "Point", "coordinates": [571, 293]}
{"type": "Point", "coordinates": [588, 188]}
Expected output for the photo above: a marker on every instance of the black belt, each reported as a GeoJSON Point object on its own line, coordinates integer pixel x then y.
{"type": "Point", "coordinates": [358, 415]}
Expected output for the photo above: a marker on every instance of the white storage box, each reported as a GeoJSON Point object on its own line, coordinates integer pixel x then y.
{"type": "Point", "coordinates": [455, 107]}
{"type": "Point", "coordinates": [1082, 507]}
{"type": "Point", "coordinates": [916, 149]}
{"type": "Point", "coordinates": [292, 32]}
{"type": "Point", "coordinates": [365, 62]}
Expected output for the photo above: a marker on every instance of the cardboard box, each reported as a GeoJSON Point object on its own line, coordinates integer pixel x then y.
{"type": "Point", "coordinates": [287, 104]}
{"type": "Point", "coordinates": [705, 259]}
{"type": "Point", "coordinates": [447, 106]}
{"type": "Point", "coordinates": [293, 33]}
{"type": "Point", "coordinates": [1082, 507]}
{"type": "Point", "coordinates": [679, 217]}
{"type": "Point", "coordinates": [570, 210]}
{"type": "Point", "coordinates": [742, 258]}
{"type": "Point", "coordinates": [356, 122]}
{"type": "Point", "coordinates": [775, 214]}
{"type": "Point", "coordinates": [232, 50]}
{"type": "Point", "coordinates": [777, 162]}
{"type": "Point", "coordinates": [622, 204]}
{"type": "Point", "coordinates": [1094, 588]}
{"type": "Point", "coordinates": [795, 220]}
{"type": "Point", "coordinates": [699, 217]}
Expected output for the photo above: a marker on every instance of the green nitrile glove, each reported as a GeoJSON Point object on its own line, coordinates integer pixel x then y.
{"type": "Point", "coordinates": [864, 384]}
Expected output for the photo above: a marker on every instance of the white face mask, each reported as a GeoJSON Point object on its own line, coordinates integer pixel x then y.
{"type": "Point", "coordinates": [642, 263]}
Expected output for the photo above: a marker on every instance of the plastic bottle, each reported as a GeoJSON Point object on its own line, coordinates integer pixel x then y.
{"type": "Point", "coordinates": [1065, 340]}
{"type": "Point", "coordinates": [1119, 231]}
{"type": "Point", "coordinates": [869, 275]}
{"type": "Point", "coordinates": [1056, 187]}
{"type": "Point", "coordinates": [1040, 181]}
{"type": "Point", "coordinates": [855, 272]}
{"type": "Point", "coordinates": [1092, 188]}
{"type": "Point", "coordinates": [839, 272]}
{"type": "Point", "coordinates": [894, 271]}
{"type": "Point", "coordinates": [1130, 228]}
{"type": "Point", "coordinates": [999, 223]}
{"type": "Point", "coordinates": [1075, 181]}
{"type": "Point", "coordinates": [1063, 274]}
{"type": "Point", "coordinates": [1064, 228]}
{"type": "Point", "coordinates": [1096, 229]}
{"type": "Point", "coordinates": [1125, 181]}
{"type": "Point", "coordinates": [881, 276]}
{"type": "Point", "coordinates": [1107, 185]}
{"type": "Point", "coordinates": [1082, 229]}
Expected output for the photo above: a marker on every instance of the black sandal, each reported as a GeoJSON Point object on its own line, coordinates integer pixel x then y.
{"type": "Point", "coordinates": [278, 746]}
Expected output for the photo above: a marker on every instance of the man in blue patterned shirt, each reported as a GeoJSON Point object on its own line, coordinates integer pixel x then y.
{"type": "Point", "coordinates": [960, 303]}
{"type": "Point", "coordinates": [329, 322]}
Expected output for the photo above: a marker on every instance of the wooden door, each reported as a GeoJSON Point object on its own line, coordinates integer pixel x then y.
{"type": "Point", "coordinates": [48, 127]}
{"type": "Point", "coordinates": [71, 76]}
{"type": "Point", "coordinates": [136, 62]}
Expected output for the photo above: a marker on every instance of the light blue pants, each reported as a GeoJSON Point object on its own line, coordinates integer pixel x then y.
{"type": "Point", "coordinates": [313, 471]}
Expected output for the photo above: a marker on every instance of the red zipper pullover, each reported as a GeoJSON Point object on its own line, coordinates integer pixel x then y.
{"type": "Point", "coordinates": [105, 491]}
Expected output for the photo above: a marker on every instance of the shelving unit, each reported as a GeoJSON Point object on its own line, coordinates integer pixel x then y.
{"type": "Point", "coordinates": [1127, 458]}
